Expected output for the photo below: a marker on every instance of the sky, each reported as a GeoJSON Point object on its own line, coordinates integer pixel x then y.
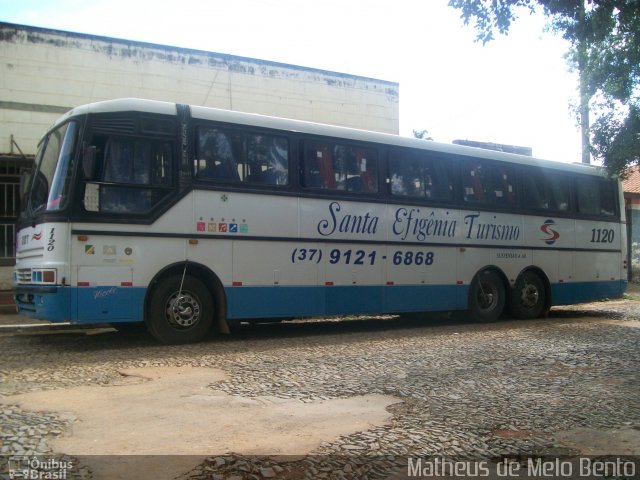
{"type": "Point", "coordinates": [514, 90]}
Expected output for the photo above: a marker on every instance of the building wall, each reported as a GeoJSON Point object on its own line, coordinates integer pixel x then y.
{"type": "Point", "coordinates": [44, 73]}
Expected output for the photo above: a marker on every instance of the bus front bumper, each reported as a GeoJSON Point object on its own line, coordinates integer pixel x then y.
{"type": "Point", "coordinates": [50, 303]}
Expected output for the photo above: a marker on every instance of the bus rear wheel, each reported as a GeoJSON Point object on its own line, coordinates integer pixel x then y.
{"type": "Point", "coordinates": [486, 297]}
{"type": "Point", "coordinates": [528, 297]}
{"type": "Point", "coordinates": [178, 315]}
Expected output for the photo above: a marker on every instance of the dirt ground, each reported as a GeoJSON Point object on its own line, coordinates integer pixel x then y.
{"type": "Point", "coordinates": [171, 411]}
{"type": "Point", "coordinates": [178, 410]}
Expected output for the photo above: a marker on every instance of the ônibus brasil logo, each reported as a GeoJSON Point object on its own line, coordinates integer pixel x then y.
{"type": "Point", "coordinates": [547, 229]}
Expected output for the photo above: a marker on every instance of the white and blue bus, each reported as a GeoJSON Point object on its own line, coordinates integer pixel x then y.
{"type": "Point", "coordinates": [186, 218]}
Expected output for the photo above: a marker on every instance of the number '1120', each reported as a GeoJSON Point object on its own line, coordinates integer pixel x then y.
{"type": "Point", "coordinates": [602, 235]}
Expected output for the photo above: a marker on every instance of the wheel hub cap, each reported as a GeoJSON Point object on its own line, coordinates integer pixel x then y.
{"type": "Point", "coordinates": [529, 296]}
{"type": "Point", "coordinates": [183, 311]}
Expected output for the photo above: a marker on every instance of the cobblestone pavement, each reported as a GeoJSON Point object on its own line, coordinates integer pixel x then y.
{"type": "Point", "coordinates": [506, 389]}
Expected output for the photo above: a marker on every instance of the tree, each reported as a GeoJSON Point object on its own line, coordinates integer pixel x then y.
{"type": "Point", "coordinates": [605, 50]}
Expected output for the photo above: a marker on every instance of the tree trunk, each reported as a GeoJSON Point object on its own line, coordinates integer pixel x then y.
{"type": "Point", "coordinates": [584, 87]}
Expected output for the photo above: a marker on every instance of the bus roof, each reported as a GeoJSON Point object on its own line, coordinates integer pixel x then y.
{"type": "Point", "coordinates": [301, 126]}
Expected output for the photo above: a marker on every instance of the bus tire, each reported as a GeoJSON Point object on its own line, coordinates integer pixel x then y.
{"type": "Point", "coordinates": [528, 297]}
{"type": "Point", "coordinates": [174, 316]}
{"type": "Point", "coordinates": [486, 297]}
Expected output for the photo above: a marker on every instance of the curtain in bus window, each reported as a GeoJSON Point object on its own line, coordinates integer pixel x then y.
{"type": "Point", "coordinates": [407, 174]}
{"type": "Point", "coordinates": [483, 182]}
{"type": "Point", "coordinates": [216, 158]}
{"type": "Point", "coordinates": [118, 162]}
{"type": "Point", "coordinates": [475, 183]}
{"type": "Point", "coordinates": [141, 162]}
{"type": "Point", "coordinates": [161, 162]}
{"type": "Point", "coordinates": [318, 166]}
{"type": "Point", "coordinates": [438, 179]}
{"type": "Point", "coordinates": [354, 169]}
{"type": "Point", "coordinates": [136, 163]}
{"type": "Point", "coordinates": [267, 160]}
{"type": "Point", "coordinates": [367, 166]}
{"type": "Point", "coordinates": [503, 185]}
{"type": "Point", "coordinates": [344, 168]}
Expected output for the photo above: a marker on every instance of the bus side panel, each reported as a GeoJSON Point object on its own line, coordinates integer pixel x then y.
{"type": "Point", "coordinates": [113, 299]}
{"type": "Point", "coordinates": [421, 278]}
{"type": "Point", "coordinates": [353, 277]}
{"type": "Point", "coordinates": [275, 279]}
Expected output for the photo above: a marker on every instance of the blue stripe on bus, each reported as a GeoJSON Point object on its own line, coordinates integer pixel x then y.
{"type": "Point", "coordinates": [255, 302]}
{"type": "Point", "coordinates": [580, 292]}
{"type": "Point", "coordinates": [125, 304]}
{"type": "Point", "coordinates": [88, 305]}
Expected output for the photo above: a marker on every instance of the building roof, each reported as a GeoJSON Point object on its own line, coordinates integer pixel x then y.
{"type": "Point", "coordinates": [631, 180]}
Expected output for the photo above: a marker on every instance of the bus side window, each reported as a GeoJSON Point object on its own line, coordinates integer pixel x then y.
{"type": "Point", "coordinates": [438, 178]}
{"type": "Point", "coordinates": [216, 155]}
{"type": "Point", "coordinates": [406, 172]}
{"type": "Point", "coordinates": [355, 169]}
{"type": "Point", "coordinates": [484, 182]}
{"type": "Point", "coordinates": [504, 192]}
{"type": "Point", "coordinates": [542, 191]}
{"type": "Point", "coordinates": [340, 167]}
{"type": "Point", "coordinates": [607, 198]}
{"type": "Point", "coordinates": [474, 182]}
{"type": "Point", "coordinates": [132, 170]}
{"type": "Point", "coordinates": [318, 166]}
{"type": "Point", "coordinates": [558, 192]}
{"type": "Point", "coordinates": [534, 192]}
{"type": "Point", "coordinates": [595, 196]}
{"type": "Point", "coordinates": [367, 167]}
{"type": "Point", "coordinates": [267, 160]}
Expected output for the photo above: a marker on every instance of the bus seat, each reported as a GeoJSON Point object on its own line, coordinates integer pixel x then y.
{"type": "Point", "coordinates": [354, 184]}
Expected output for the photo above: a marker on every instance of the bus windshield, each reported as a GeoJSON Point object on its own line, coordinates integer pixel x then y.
{"type": "Point", "coordinates": [51, 180]}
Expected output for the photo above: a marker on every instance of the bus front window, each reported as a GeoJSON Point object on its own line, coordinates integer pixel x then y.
{"type": "Point", "coordinates": [52, 177]}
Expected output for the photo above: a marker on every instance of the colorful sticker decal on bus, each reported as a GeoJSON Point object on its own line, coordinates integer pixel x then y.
{"type": "Point", "coordinates": [233, 228]}
{"type": "Point", "coordinates": [212, 227]}
{"type": "Point", "coordinates": [90, 249]}
{"type": "Point", "coordinates": [222, 227]}
{"type": "Point", "coordinates": [200, 226]}
{"type": "Point", "coordinates": [547, 229]}
{"type": "Point", "coordinates": [36, 236]}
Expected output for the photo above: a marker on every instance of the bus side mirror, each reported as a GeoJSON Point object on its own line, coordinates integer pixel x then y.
{"type": "Point", "coordinates": [89, 162]}
{"type": "Point", "coordinates": [25, 179]}
{"type": "Point", "coordinates": [26, 174]}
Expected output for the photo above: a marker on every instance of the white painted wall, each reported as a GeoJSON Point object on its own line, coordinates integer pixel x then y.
{"type": "Point", "coordinates": [44, 72]}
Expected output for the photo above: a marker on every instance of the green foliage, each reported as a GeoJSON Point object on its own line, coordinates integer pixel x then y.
{"type": "Point", "coordinates": [490, 16]}
{"type": "Point", "coordinates": [617, 140]}
{"type": "Point", "coordinates": [605, 50]}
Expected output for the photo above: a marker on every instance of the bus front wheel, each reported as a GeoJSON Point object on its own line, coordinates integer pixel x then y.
{"type": "Point", "coordinates": [180, 311]}
{"type": "Point", "coordinates": [486, 297]}
{"type": "Point", "coordinates": [528, 297]}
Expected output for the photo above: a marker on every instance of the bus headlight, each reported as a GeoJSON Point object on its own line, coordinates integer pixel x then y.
{"type": "Point", "coordinates": [44, 275]}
